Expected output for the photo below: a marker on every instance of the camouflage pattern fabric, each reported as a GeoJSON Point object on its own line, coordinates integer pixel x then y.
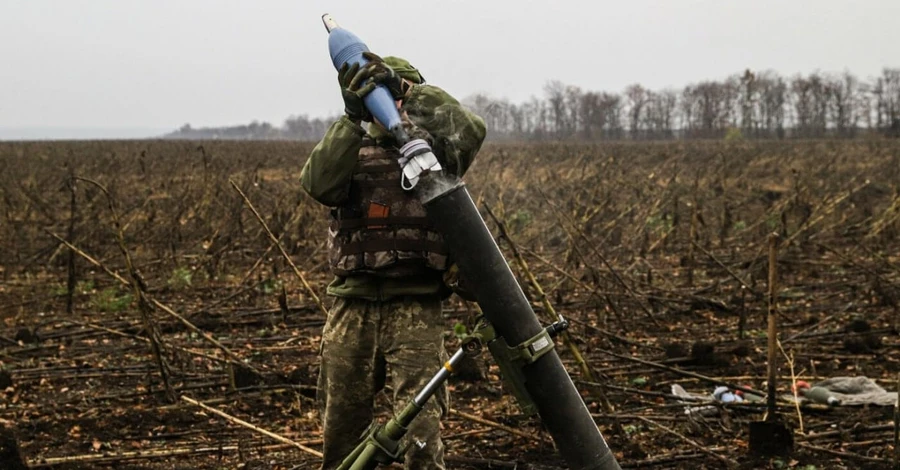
{"type": "Point", "coordinates": [404, 69]}
{"type": "Point", "coordinates": [363, 343]}
{"type": "Point", "coordinates": [329, 168]}
{"type": "Point", "coordinates": [403, 245]}
{"type": "Point", "coordinates": [456, 134]}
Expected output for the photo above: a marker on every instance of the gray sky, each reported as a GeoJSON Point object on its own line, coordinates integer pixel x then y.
{"type": "Point", "coordinates": [134, 66]}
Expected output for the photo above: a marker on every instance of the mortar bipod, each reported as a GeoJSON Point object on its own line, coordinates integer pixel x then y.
{"type": "Point", "coordinates": [381, 444]}
{"type": "Point", "coordinates": [511, 359]}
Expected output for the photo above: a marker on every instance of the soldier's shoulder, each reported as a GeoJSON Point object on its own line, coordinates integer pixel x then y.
{"type": "Point", "coordinates": [429, 94]}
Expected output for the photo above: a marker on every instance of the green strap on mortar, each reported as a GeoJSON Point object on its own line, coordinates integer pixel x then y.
{"type": "Point", "coordinates": [512, 359]}
{"type": "Point", "coordinates": [533, 348]}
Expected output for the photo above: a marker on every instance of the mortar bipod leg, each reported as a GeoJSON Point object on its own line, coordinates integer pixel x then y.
{"type": "Point", "coordinates": [382, 443]}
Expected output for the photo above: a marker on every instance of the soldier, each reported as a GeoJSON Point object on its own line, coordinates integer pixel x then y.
{"type": "Point", "coordinates": [388, 262]}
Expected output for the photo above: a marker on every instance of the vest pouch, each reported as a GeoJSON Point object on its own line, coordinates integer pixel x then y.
{"type": "Point", "coordinates": [377, 210]}
{"type": "Point", "coordinates": [383, 230]}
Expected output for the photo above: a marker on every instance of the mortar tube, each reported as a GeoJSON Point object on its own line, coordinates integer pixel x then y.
{"type": "Point", "coordinates": [453, 213]}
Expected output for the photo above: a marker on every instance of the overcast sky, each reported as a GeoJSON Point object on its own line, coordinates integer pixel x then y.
{"type": "Point", "coordinates": [138, 65]}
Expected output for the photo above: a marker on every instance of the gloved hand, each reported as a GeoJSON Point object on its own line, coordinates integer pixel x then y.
{"type": "Point", "coordinates": [353, 90]}
{"type": "Point", "coordinates": [383, 74]}
{"type": "Point", "coordinates": [355, 84]}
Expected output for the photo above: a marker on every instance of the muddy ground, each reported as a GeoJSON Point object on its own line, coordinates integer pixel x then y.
{"type": "Point", "coordinates": [656, 252]}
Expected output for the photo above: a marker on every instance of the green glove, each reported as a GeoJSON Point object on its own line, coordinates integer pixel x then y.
{"type": "Point", "coordinates": [353, 90]}
{"type": "Point", "coordinates": [383, 74]}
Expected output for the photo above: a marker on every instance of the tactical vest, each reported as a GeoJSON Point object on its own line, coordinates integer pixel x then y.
{"type": "Point", "coordinates": [382, 229]}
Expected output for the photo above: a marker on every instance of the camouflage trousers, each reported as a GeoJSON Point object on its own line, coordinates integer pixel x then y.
{"type": "Point", "coordinates": [363, 342]}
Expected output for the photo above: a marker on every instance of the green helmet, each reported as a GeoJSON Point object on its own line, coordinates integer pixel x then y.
{"type": "Point", "coordinates": [404, 69]}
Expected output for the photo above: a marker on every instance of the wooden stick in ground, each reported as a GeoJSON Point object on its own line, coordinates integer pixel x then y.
{"type": "Point", "coordinates": [742, 318]}
{"type": "Point", "coordinates": [70, 262]}
{"type": "Point", "coordinates": [773, 329]}
{"type": "Point", "coordinates": [693, 238]}
{"type": "Point", "coordinates": [493, 424]}
{"type": "Point", "coordinates": [306, 285]}
{"type": "Point", "coordinates": [149, 454]}
{"type": "Point", "coordinates": [790, 361]}
{"type": "Point", "coordinates": [127, 455]}
{"type": "Point", "coordinates": [139, 287]}
{"type": "Point", "coordinates": [247, 425]}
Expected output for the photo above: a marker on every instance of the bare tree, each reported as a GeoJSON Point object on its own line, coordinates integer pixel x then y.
{"type": "Point", "coordinates": [592, 117]}
{"type": "Point", "coordinates": [572, 104]}
{"type": "Point", "coordinates": [636, 97]}
{"type": "Point", "coordinates": [771, 104]}
{"type": "Point", "coordinates": [556, 100]}
{"type": "Point", "coordinates": [749, 97]}
{"type": "Point", "coordinates": [612, 109]}
{"type": "Point", "coordinates": [886, 93]}
{"type": "Point", "coordinates": [762, 104]}
{"type": "Point", "coordinates": [842, 103]}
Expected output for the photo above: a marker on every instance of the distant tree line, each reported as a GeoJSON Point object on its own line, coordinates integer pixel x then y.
{"type": "Point", "coordinates": [745, 105]}
{"type": "Point", "coordinates": [300, 127]}
{"type": "Point", "coordinates": [749, 104]}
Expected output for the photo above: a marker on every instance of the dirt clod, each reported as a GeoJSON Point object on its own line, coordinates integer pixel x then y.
{"type": "Point", "coordinates": [27, 336]}
{"type": "Point", "coordinates": [863, 344]}
{"type": "Point", "coordinates": [703, 354]}
{"type": "Point", "coordinates": [469, 370]}
{"type": "Point", "coordinates": [10, 458]}
{"type": "Point", "coordinates": [5, 379]}
{"type": "Point", "coordinates": [858, 325]}
{"type": "Point", "coordinates": [675, 350]}
{"type": "Point", "coordinates": [243, 377]}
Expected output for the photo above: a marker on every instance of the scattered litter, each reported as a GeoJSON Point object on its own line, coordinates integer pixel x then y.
{"type": "Point", "coordinates": [820, 395]}
{"type": "Point", "coordinates": [725, 395]}
{"type": "Point", "coordinates": [702, 410]}
{"type": "Point", "coordinates": [720, 394]}
{"type": "Point", "coordinates": [846, 391]}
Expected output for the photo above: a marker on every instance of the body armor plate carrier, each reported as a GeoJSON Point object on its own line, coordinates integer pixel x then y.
{"type": "Point", "coordinates": [382, 229]}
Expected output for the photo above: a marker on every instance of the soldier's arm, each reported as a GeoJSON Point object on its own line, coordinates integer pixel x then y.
{"type": "Point", "coordinates": [456, 132]}
{"type": "Point", "coordinates": [327, 173]}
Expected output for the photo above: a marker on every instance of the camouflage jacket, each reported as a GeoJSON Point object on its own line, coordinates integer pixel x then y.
{"type": "Point", "coordinates": [456, 136]}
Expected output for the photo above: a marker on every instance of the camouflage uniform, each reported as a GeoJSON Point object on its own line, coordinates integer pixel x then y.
{"type": "Point", "coordinates": [362, 338]}
{"type": "Point", "coordinates": [384, 324]}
